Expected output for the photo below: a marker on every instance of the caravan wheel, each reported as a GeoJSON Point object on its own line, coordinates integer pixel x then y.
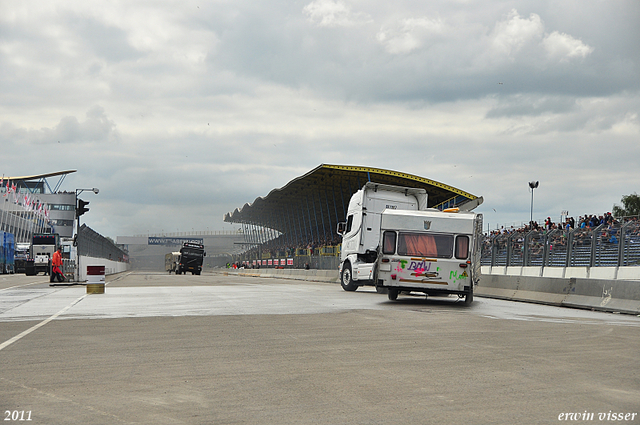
{"type": "Point", "coordinates": [393, 294]}
{"type": "Point", "coordinates": [468, 299]}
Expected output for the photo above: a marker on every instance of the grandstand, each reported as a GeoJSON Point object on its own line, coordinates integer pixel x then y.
{"type": "Point", "coordinates": [294, 226]}
{"type": "Point", "coordinates": [300, 219]}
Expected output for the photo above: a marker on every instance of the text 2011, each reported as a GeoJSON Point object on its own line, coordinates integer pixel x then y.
{"type": "Point", "coordinates": [17, 415]}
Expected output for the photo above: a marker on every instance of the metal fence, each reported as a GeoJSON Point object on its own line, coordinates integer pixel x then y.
{"type": "Point", "coordinates": [93, 244]}
{"type": "Point", "coordinates": [606, 245]}
{"type": "Point", "coordinates": [321, 258]}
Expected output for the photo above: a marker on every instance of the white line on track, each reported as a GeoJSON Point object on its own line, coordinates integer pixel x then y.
{"type": "Point", "coordinates": [20, 286]}
{"type": "Point", "coordinates": [39, 325]}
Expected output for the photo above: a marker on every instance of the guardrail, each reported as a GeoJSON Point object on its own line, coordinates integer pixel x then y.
{"type": "Point", "coordinates": [606, 245]}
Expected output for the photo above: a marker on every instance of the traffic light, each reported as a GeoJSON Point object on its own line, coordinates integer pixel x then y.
{"type": "Point", "coordinates": [82, 207]}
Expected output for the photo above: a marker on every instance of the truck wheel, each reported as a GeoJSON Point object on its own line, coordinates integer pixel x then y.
{"type": "Point", "coordinates": [393, 294]}
{"type": "Point", "coordinates": [346, 279]}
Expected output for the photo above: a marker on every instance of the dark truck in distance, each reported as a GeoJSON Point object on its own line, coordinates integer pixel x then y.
{"type": "Point", "coordinates": [191, 257]}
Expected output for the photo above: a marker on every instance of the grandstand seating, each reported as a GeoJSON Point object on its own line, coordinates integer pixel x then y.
{"type": "Point", "coordinates": [588, 248]}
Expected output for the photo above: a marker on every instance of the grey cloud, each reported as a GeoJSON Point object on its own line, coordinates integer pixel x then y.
{"type": "Point", "coordinates": [105, 41]}
{"type": "Point", "coordinates": [96, 128]}
{"type": "Point", "coordinates": [352, 63]}
{"type": "Point", "coordinates": [526, 104]}
{"type": "Point", "coordinates": [334, 13]}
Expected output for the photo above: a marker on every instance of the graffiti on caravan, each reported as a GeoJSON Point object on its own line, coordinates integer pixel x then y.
{"type": "Point", "coordinates": [153, 240]}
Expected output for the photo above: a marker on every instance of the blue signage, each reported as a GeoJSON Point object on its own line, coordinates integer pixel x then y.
{"type": "Point", "coordinates": [154, 240]}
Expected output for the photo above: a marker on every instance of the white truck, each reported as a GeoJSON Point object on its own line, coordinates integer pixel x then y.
{"type": "Point", "coordinates": [393, 241]}
{"type": "Point", "coordinates": [171, 261]}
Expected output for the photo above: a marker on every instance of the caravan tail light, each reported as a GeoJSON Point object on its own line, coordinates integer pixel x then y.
{"type": "Point", "coordinates": [464, 265]}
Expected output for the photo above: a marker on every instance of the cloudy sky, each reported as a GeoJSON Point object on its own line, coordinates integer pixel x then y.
{"type": "Point", "coordinates": [180, 111]}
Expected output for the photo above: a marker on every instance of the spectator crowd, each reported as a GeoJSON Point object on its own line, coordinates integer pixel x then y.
{"type": "Point", "coordinates": [584, 222]}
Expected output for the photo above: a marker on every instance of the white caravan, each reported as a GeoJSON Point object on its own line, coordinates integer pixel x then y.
{"type": "Point", "coordinates": [377, 210]}
{"type": "Point", "coordinates": [434, 252]}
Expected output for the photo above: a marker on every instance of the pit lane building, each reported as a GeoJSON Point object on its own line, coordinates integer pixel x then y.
{"type": "Point", "coordinates": [29, 204]}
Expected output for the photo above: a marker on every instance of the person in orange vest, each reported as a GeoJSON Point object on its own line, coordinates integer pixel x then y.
{"type": "Point", "coordinates": [56, 266]}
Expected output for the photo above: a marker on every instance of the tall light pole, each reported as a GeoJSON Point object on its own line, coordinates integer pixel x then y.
{"type": "Point", "coordinates": [81, 208]}
{"type": "Point", "coordinates": [532, 185]}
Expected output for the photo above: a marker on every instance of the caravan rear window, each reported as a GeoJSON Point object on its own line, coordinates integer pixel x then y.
{"type": "Point", "coordinates": [389, 242]}
{"type": "Point", "coordinates": [462, 247]}
{"type": "Point", "coordinates": [425, 245]}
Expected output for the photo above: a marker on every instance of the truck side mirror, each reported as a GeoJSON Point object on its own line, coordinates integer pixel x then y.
{"type": "Point", "coordinates": [341, 227]}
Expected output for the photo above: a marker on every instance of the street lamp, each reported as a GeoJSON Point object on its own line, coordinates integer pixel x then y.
{"type": "Point", "coordinates": [94, 190]}
{"type": "Point", "coordinates": [532, 185]}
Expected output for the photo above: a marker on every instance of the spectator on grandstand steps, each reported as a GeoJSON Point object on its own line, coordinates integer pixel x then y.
{"type": "Point", "coordinates": [612, 232]}
{"type": "Point", "coordinates": [582, 222]}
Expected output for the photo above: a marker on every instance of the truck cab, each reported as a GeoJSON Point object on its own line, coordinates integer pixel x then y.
{"type": "Point", "coordinates": [361, 230]}
{"type": "Point", "coordinates": [43, 245]}
{"type": "Point", "coordinates": [191, 258]}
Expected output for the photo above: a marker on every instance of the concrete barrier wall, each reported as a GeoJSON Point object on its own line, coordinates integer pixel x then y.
{"type": "Point", "coordinates": [110, 267]}
{"type": "Point", "coordinates": [606, 273]}
{"type": "Point", "coordinates": [597, 294]}
{"type": "Point", "coordinates": [297, 274]}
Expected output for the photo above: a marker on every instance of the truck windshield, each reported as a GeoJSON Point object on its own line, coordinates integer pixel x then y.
{"type": "Point", "coordinates": [425, 245]}
{"type": "Point", "coordinates": [44, 240]}
{"type": "Point", "coordinates": [191, 253]}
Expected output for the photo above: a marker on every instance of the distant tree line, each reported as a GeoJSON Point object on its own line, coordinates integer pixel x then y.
{"type": "Point", "coordinates": [630, 206]}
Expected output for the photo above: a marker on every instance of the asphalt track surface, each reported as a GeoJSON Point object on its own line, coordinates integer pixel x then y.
{"type": "Point", "coordinates": [216, 349]}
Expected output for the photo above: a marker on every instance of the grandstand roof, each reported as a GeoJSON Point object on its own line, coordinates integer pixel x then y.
{"type": "Point", "coordinates": [319, 198]}
{"type": "Point", "coordinates": [41, 176]}
{"type": "Point", "coordinates": [38, 183]}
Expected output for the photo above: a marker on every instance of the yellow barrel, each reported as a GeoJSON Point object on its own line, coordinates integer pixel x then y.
{"type": "Point", "coordinates": [95, 288]}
